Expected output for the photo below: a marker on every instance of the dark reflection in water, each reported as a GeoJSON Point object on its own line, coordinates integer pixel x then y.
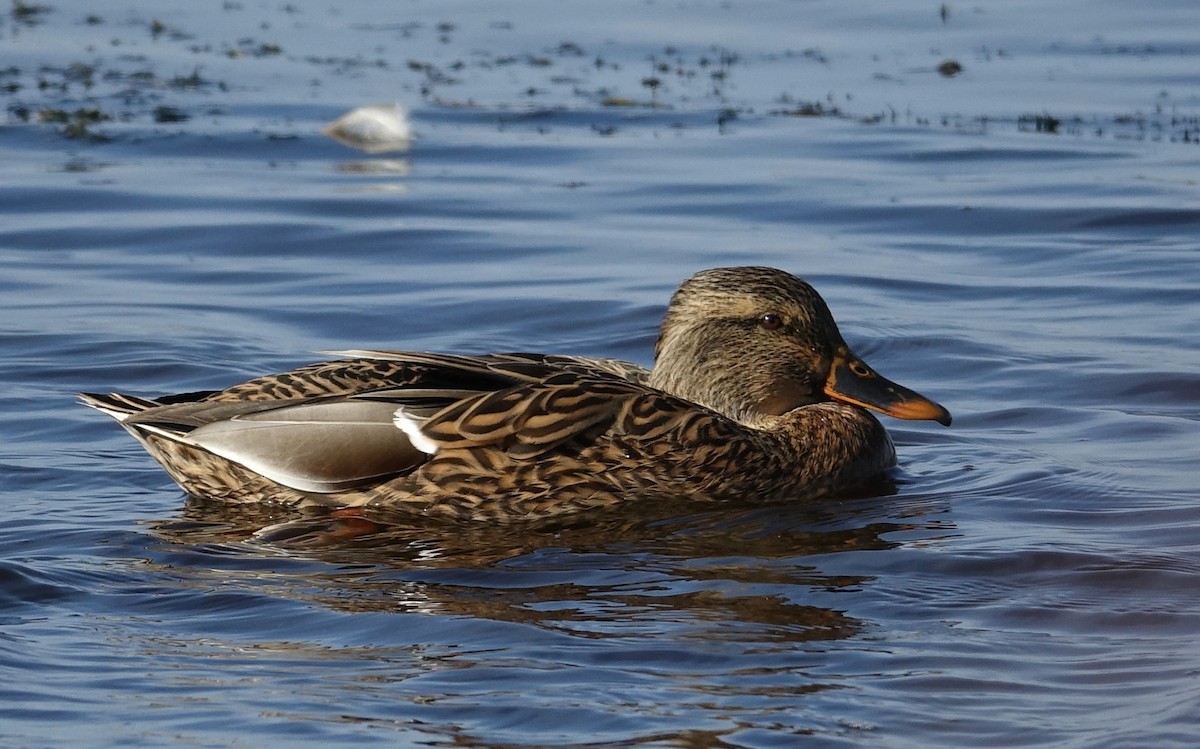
{"type": "Point", "coordinates": [652, 615]}
{"type": "Point", "coordinates": [580, 571]}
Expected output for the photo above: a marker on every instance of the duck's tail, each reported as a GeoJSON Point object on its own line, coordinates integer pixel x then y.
{"type": "Point", "coordinates": [117, 405]}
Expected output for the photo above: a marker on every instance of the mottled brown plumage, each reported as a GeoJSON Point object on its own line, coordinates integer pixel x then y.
{"type": "Point", "coordinates": [753, 396]}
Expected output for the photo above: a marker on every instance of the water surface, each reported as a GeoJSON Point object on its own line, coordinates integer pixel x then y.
{"type": "Point", "coordinates": [1018, 241]}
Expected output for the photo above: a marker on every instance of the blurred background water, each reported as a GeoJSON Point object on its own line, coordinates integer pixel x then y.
{"type": "Point", "coordinates": [999, 201]}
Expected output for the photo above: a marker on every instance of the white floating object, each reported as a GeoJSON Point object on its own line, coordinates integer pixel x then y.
{"type": "Point", "coordinates": [374, 129]}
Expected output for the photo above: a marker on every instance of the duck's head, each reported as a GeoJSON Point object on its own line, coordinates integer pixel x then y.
{"type": "Point", "coordinates": [752, 342]}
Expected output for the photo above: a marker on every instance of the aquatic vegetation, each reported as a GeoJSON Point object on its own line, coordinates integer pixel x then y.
{"type": "Point", "coordinates": [76, 124]}
{"type": "Point", "coordinates": [28, 13]}
{"type": "Point", "coordinates": [706, 84]}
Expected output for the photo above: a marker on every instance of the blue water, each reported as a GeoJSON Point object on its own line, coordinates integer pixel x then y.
{"type": "Point", "coordinates": [1030, 580]}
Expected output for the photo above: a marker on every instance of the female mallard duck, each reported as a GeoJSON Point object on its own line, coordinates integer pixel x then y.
{"type": "Point", "coordinates": [753, 394]}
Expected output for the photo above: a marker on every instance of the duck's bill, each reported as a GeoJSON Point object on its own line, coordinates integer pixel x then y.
{"type": "Point", "coordinates": [852, 381]}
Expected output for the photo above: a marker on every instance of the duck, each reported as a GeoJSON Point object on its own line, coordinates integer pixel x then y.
{"type": "Point", "coordinates": [753, 395]}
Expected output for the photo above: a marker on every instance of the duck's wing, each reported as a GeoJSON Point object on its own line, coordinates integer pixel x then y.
{"type": "Point", "coordinates": [361, 371]}
{"type": "Point", "coordinates": [330, 427]}
{"type": "Point", "coordinates": [580, 365]}
{"type": "Point", "coordinates": [521, 366]}
{"type": "Point", "coordinates": [321, 445]}
{"type": "Point", "coordinates": [529, 420]}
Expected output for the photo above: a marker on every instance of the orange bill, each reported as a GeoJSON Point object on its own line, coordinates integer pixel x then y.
{"type": "Point", "coordinates": [852, 381]}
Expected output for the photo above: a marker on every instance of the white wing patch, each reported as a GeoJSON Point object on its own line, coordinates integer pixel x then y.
{"type": "Point", "coordinates": [412, 428]}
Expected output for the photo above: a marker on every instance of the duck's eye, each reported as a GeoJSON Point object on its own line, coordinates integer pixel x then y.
{"type": "Point", "coordinates": [771, 321]}
{"type": "Point", "coordinates": [860, 369]}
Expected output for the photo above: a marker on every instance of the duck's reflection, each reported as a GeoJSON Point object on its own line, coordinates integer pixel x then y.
{"type": "Point", "coordinates": [745, 573]}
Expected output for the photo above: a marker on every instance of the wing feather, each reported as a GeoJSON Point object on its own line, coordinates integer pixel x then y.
{"type": "Point", "coordinates": [322, 447]}
{"type": "Point", "coordinates": [528, 420]}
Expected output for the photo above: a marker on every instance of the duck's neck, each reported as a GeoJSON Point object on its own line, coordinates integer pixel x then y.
{"type": "Point", "coordinates": [715, 388]}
